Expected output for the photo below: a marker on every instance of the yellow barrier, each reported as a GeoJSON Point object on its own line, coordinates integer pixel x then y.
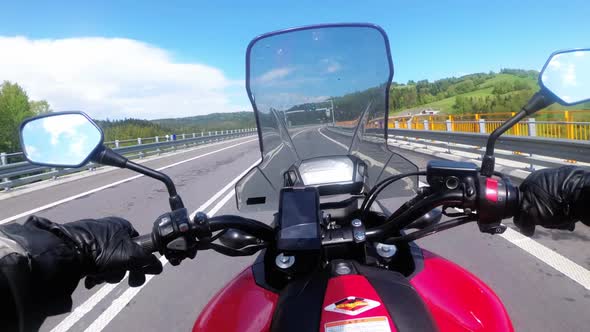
{"type": "Point", "coordinates": [571, 124]}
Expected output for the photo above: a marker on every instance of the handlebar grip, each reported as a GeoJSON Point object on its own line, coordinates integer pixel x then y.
{"type": "Point", "coordinates": [145, 241]}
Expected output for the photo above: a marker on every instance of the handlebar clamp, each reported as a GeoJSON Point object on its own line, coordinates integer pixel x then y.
{"type": "Point", "coordinates": [173, 236]}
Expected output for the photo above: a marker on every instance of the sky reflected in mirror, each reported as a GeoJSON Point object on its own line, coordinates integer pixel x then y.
{"type": "Point", "coordinates": [61, 140]}
{"type": "Point", "coordinates": [567, 75]}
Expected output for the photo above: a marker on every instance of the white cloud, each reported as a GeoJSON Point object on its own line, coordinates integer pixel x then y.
{"type": "Point", "coordinates": [554, 64]}
{"type": "Point", "coordinates": [63, 124]}
{"type": "Point", "coordinates": [331, 66]}
{"type": "Point", "coordinates": [116, 77]}
{"type": "Point", "coordinates": [32, 151]}
{"type": "Point", "coordinates": [569, 76]}
{"type": "Point", "coordinates": [274, 74]}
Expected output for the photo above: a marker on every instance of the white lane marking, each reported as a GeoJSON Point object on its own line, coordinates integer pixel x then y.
{"type": "Point", "coordinates": [85, 308]}
{"type": "Point", "coordinates": [92, 191]}
{"type": "Point", "coordinates": [333, 140]}
{"type": "Point", "coordinates": [119, 303]}
{"type": "Point", "coordinates": [561, 263]}
{"type": "Point", "coordinates": [299, 132]}
{"type": "Point", "coordinates": [92, 301]}
{"type": "Point", "coordinates": [222, 202]}
{"type": "Point", "coordinates": [224, 189]}
{"type": "Point", "coordinates": [550, 257]}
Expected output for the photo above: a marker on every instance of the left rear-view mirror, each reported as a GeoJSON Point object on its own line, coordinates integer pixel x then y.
{"type": "Point", "coordinates": [65, 139]}
{"type": "Point", "coordinates": [566, 75]}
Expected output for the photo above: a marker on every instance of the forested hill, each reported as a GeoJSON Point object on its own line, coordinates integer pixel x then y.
{"type": "Point", "coordinates": [506, 91]}
{"type": "Point", "coordinates": [214, 121]}
{"type": "Point", "coordinates": [132, 128]}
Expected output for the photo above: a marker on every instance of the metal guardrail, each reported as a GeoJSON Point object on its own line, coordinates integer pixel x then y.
{"type": "Point", "coordinates": [22, 172]}
{"type": "Point", "coordinates": [574, 125]}
{"type": "Point", "coordinates": [573, 150]}
{"type": "Point", "coordinates": [530, 151]}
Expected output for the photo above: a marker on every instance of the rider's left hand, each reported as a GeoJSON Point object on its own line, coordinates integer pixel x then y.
{"type": "Point", "coordinates": [104, 249]}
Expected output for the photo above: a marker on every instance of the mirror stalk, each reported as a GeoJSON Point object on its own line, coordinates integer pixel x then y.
{"type": "Point", "coordinates": [537, 102]}
{"type": "Point", "coordinates": [110, 158]}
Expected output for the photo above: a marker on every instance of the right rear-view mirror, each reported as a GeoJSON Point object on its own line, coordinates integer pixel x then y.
{"type": "Point", "coordinates": [567, 76]}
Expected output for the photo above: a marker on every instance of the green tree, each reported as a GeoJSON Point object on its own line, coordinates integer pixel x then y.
{"type": "Point", "coordinates": [39, 107]}
{"type": "Point", "coordinates": [14, 108]}
{"type": "Point", "coordinates": [521, 84]}
{"type": "Point", "coordinates": [461, 104]}
{"type": "Point", "coordinates": [502, 87]}
{"type": "Point", "coordinates": [465, 86]}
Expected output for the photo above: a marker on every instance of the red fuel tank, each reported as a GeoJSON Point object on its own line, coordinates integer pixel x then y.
{"type": "Point", "coordinates": [457, 299]}
{"type": "Point", "coordinates": [451, 297]}
{"type": "Point", "coordinates": [241, 306]}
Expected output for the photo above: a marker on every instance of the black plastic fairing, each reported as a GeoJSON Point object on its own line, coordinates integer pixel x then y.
{"type": "Point", "coordinates": [404, 304]}
{"type": "Point", "coordinates": [300, 304]}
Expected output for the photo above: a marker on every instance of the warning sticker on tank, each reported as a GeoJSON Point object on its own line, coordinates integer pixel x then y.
{"type": "Point", "coordinates": [352, 305]}
{"type": "Point", "coordinates": [369, 324]}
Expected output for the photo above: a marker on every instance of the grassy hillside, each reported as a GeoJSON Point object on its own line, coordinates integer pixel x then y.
{"type": "Point", "coordinates": [511, 78]}
{"type": "Point", "coordinates": [497, 91]}
{"type": "Point", "coordinates": [446, 105]}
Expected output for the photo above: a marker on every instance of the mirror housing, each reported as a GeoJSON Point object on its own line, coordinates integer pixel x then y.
{"type": "Point", "coordinates": [63, 139]}
{"type": "Point", "coordinates": [566, 76]}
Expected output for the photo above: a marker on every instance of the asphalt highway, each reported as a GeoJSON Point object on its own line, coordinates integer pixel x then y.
{"type": "Point", "coordinates": [538, 297]}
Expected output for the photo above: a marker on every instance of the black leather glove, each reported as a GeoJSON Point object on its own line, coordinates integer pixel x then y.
{"type": "Point", "coordinates": [554, 198]}
{"type": "Point", "coordinates": [104, 250]}
{"type": "Point", "coordinates": [41, 263]}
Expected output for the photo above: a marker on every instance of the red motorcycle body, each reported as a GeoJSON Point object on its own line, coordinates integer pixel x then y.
{"type": "Point", "coordinates": [439, 292]}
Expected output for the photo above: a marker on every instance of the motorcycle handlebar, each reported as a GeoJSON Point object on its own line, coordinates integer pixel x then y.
{"type": "Point", "coordinates": [502, 203]}
{"type": "Point", "coordinates": [251, 226]}
{"type": "Point", "coordinates": [146, 242]}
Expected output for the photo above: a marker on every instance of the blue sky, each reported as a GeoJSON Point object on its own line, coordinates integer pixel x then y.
{"type": "Point", "coordinates": [429, 39]}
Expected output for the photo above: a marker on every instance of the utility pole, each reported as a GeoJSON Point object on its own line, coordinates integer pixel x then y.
{"type": "Point", "coordinates": [286, 122]}
{"type": "Point", "coordinates": [332, 111]}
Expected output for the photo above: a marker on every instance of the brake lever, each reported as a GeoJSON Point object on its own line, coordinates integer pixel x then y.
{"type": "Point", "coordinates": [232, 252]}
{"type": "Point", "coordinates": [465, 212]}
{"type": "Point", "coordinates": [431, 230]}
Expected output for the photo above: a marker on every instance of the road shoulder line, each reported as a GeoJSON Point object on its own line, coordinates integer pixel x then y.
{"type": "Point", "coordinates": [557, 261]}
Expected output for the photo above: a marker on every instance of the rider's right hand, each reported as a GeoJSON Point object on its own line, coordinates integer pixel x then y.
{"type": "Point", "coordinates": [554, 198]}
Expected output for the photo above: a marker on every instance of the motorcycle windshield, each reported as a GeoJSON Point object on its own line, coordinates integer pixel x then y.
{"type": "Point", "coordinates": [318, 92]}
